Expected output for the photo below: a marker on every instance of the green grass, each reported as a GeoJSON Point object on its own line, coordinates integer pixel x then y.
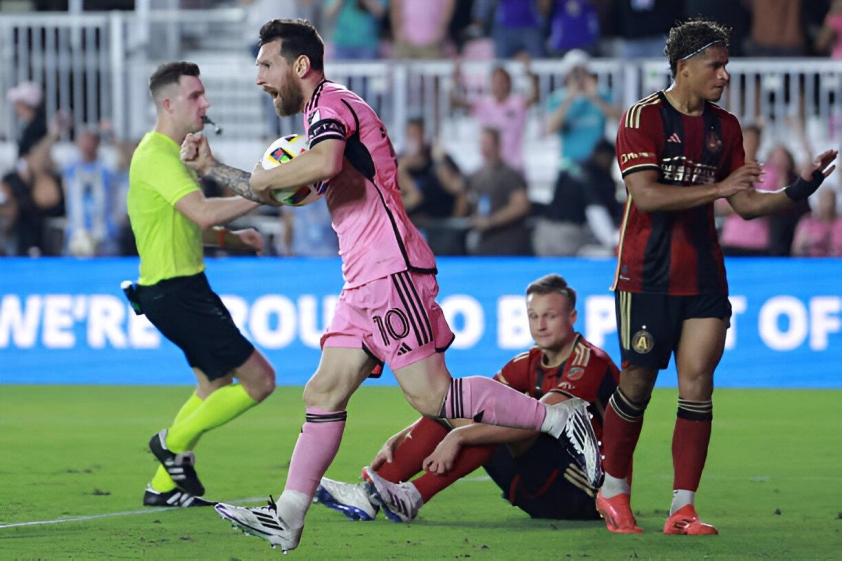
{"type": "Point", "coordinates": [772, 486]}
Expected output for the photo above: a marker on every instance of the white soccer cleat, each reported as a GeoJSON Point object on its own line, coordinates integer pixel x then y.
{"type": "Point", "coordinates": [400, 501]}
{"type": "Point", "coordinates": [263, 522]}
{"type": "Point", "coordinates": [581, 442]}
{"type": "Point", "coordinates": [351, 499]}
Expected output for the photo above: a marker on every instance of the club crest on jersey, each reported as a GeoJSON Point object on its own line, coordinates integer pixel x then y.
{"type": "Point", "coordinates": [713, 142]}
{"type": "Point", "coordinates": [642, 342]}
{"type": "Point", "coordinates": [575, 373]}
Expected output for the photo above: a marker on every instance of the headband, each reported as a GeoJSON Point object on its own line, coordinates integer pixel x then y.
{"type": "Point", "coordinates": [697, 51]}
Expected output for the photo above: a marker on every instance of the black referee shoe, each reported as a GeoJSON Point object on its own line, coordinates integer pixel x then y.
{"type": "Point", "coordinates": [179, 466]}
{"type": "Point", "coordinates": [176, 498]}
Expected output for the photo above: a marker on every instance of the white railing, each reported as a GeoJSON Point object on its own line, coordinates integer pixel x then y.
{"type": "Point", "coordinates": [98, 65]}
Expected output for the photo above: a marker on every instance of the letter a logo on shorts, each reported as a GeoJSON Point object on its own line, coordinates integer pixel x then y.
{"type": "Point", "coordinates": [642, 342]}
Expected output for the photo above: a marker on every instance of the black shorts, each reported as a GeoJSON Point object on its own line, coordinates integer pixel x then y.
{"type": "Point", "coordinates": [649, 325]}
{"type": "Point", "coordinates": [188, 313]}
{"type": "Point", "coordinates": [536, 483]}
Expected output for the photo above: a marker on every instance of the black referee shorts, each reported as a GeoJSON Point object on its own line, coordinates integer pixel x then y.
{"type": "Point", "coordinates": [543, 482]}
{"type": "Point", "coordinates": [188, 313]}
{"type": "Point", "coordinates": [649, 325]}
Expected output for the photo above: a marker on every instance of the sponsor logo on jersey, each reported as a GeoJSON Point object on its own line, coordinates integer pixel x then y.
{"type": "Point", "coordinates": [633, 156]}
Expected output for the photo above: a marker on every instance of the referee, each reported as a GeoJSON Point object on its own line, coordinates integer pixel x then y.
{"type": "Point", "coordinates": [171, 219]}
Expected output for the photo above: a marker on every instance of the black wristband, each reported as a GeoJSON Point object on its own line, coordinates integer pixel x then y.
{"type": "Point", "coordinates": [801, 189]}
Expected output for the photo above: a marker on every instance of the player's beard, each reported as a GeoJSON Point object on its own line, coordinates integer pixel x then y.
{"type": "Point", "coordinates": [290, 98]}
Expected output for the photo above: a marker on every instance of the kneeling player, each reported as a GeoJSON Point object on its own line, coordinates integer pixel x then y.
{"type": "Point", "coordinates": [543, 476]}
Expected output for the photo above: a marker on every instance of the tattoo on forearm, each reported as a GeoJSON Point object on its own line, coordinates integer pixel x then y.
{"type": "Point", "coordinates": [233, 178]}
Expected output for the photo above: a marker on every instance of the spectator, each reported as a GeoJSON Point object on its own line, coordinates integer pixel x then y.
{"type": "Point", "coordinates": [356, 27]}
{"type": "Point", "coordinates": [420, 29]}
{"type": "Point", "coordinates": [28, 101]}
{"type": "Point", "coordinates": [642, 26]}
{"type": "Point", "coordinates": [502, 110]}
{"type": "Point", "coordinates": [307, 231]}
{"type": "Point", "coordinates": [819, 234]}
{"type": "Point", "coordinates": [91, 196]}
{"type": "Point", "coordinates": [33, 194]}
{"type": "Point", "coordinates": [830, 35]}
{"type": "Point", "coordinates": [435, 174]}
{"type": "Point", "coordinates": [578, 112]}
{"type": "Point", "coordinates": [776, 29]}
{"type": "Point", "coordinates": [497, 204]}
{"type": "Point", "coordinates": [573, 24]}
{"type": "Point", "coordinates": [517, 27]}
{"type": "Point", "coordinates": [584, 207]}
{"type": "Point", "coordinates": [120, 216]}
{"type": "Point", "coordinates": [782, 224]}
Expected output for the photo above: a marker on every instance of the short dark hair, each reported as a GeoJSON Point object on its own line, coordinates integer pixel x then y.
{"type": "Point", "coordinates": [298, 37]}
{"type": "Point", "coordinates": [551, 283]}
{"type": "Point", "coordinates": [692, 37]}
{"type": "Point", "coordinates": [170, 73]}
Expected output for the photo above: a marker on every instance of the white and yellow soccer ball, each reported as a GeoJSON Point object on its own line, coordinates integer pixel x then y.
{"type": "Point", "coordinates": [281, 151]}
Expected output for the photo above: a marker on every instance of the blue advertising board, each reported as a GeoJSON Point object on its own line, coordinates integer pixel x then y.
{"type": "Point", "coordinates": [65, 321]}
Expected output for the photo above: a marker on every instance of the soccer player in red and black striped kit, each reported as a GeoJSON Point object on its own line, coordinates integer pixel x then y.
{"type": "Point", "coordinates": [678, 153]}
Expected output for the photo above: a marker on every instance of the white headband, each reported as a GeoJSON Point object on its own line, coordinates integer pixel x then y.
{"type": "Point", "coordinates": [694, 53]}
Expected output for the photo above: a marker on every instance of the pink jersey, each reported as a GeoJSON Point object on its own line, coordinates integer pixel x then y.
{"type": "Point", "coordinates": [376, 238]}
{"type": "Point", "coordinates": [509, 117]}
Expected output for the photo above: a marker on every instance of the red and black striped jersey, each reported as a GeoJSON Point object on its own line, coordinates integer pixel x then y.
{"type": "Point", "coordinates": [588, 373]}
{"type": "Point", "coordinates": [674, 252]}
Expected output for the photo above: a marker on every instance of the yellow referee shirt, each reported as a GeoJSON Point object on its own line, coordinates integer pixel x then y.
{"type": "Point", "coordinates": [169, 243]}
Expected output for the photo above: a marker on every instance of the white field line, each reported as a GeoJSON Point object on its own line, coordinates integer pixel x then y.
{"type": "Point", "coordinates": [149, 510]}
{"type": "Point", "coordinates": [156, 510]}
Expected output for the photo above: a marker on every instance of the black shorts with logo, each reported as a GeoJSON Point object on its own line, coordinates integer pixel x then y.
{"type": "Point", "coordinates": [649, 325]}
{"type": "Point", "coordinates": [543, 482]}
{"type": "Point", "coordinates": [191, 315]}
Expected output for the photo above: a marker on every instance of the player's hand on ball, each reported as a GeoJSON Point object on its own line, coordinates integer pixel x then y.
{"type": "Point", "coordinates": [251, 238]}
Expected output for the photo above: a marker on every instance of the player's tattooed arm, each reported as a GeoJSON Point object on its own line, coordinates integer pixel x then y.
{"type": "Point", "coordinates": [235, 179]}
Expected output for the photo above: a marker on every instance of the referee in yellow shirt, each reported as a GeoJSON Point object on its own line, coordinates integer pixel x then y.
{"type": "Point", "coordinates": [170, 216]}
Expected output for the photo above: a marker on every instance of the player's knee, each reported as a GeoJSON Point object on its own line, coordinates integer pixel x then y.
{"type": "Point", "coordinates": [260, 386]}
{"type": "Point", "coordinates": [696, 385]}
{"type": "Point", "coordinates": [428, 405]}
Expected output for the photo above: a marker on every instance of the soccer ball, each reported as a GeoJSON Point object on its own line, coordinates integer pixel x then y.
{"type": "Point", "coordinates": [281, 151]}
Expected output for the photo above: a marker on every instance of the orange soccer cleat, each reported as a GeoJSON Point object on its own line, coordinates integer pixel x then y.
{"type": "Point", "coordinates": [685, 522]}
{"type": "Point", "coordinates": [617, 513]}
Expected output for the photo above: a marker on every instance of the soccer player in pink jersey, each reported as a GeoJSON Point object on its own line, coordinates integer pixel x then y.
{"type": "Point", "coordinates": [387, 311]}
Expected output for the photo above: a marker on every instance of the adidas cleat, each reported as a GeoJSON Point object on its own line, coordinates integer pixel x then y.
{"type": "Point", "coordinates": [174, 498]}
{"type": "Point", "coordinates": [685, 522]}
{"type": "Point", "coordinates": [400, 501]}
{"type": "Point", "coordinates": [569, 422]}
{"type": "Point", "coordinates": [262, 522]}
{"type": "Point", "coordinates": [179, 466]}
{"type": "Point", "coordinates": [351, 499]}
{"type": "Point", "coordinates": [617, 513]}
{"type": "Point", "coordinates": [583, 445]}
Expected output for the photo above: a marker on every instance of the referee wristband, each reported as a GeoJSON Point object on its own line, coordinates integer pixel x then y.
{"type": "Point", "coordinates": [220, 237]}
{"type": "Point", "coordinates": [801, 189]}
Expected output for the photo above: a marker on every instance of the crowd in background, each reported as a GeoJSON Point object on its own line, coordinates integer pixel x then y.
{"type": "Point", "coordinates": [77, 206]}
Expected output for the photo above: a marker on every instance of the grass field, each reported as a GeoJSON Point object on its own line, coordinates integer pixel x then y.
{"type": "Point", "coordinates": [74, 465]}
